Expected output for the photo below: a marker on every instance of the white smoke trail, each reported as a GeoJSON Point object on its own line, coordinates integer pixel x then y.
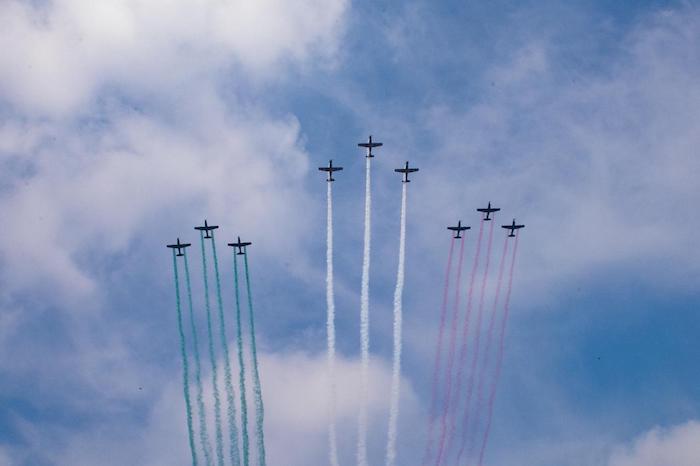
{"type": "Point", "coordinates": [212, 359]}
{"type": "Point", "coordinates": [398, 315]}
{"type": "Point", "coordinates": [364, 327]}
{"type": "Point", "coordinates": [330, 331]}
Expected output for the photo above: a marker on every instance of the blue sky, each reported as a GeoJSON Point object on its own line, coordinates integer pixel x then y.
{"type": "Point", "coordinates": [124, 124]}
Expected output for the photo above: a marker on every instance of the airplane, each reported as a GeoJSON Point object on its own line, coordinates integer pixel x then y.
{"type": "Point", "coordinates": [240, 245]}
{"type": "Point", "coordinates": [405, 172]}
{"type": "Point", "coordinates": [369, 145]}
{"type": "Point", "coordinates": [488, 210]}
{"type": "Point", "coordinates": [512, 228]}
{"type": "Point", "coordinates": [206, 229]}
{"type": "Point", "coordinates": [459, 229]}
{"type": "Point", "coordinates": [179, 246]}
{"type": "Point", "coordinates": [330, 169]}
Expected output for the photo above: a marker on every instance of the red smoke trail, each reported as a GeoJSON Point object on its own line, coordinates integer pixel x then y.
{"type": "Point", "coordinates": [481, 377]}
{"type": "Point", "coordinates": [451, 356]}
{"type": "Point", "coordinates": [465, 335]}
{"type": "Point", "coordinates": [499, 360]}
{"type": "Point", "coordinates": [477, 341]}
{"type": "Point", "coordinates": [438, 354]}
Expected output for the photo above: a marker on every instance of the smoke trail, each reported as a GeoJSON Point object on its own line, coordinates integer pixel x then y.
{"type": "Point", "coordinates": [330, 330]}
{"type": "Point", "coordinates": [228, 384]}
{"type": "Point", "coordinates": [481, 377]}
{"type": "Point", "coordinates": [257, 390]}
{"type": "Point", "coordinates": [203, 433]}
{"type": "Point", "coordinates": [241, 365]}
{"type": "Point", "coordinates": [364, 326]}
{"type": "Point", "coordinates": [185, 365]}
{"type": "Point", "coordinates": [450, 357]}
{"type": "Point", "coordinates": [477, 338]}
{"type": "Point", "coordinates": [212, 358]}
{"type": "Point", "coordinates": [438, 353]}
{"type": "Point", "coordinates": [465, 336]}
{"type": "Point", "coordinates": [499, 358]}
{"type": "Point", "coordinates": [398, 316]}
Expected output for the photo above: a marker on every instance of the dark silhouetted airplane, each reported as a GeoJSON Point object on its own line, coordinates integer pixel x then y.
{"type": "Point", "coordinates": [488, 211]}
{"type": "Point", "coordinates": [405, 172]}
{"type": "Point", "coordinates": [330, 169]}
{"type": "Point", "coordinates": [179, 246]}
{"type": "Point", "coordinates": [240, 245]}
{"type": "Point", "coordinates": [458, 229]}
{"type": "Point", "coordinates": [206, 229]}
{"type": "Point", "coordinates": [369, 145]}
{"type": "Point", "coordinates": [512, 228]}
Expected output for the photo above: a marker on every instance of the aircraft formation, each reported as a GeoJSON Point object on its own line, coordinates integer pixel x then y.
{"type": "Point", "coordinates": [206, 228]}
{"type": "Point", "coordinates": [405, 170]}
{"type": "Point", "coordinates": [225, 405]}
{"type": "Point", "coordinates": [447, 435]}
{"type": "Point", "coordinates": [512, 227]}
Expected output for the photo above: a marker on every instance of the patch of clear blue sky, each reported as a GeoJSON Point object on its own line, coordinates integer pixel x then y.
{"type": "Point", "coordinates": [620, 346]}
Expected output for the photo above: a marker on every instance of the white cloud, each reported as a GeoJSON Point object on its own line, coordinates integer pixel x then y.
{"type": "Point", "coordinates": [60, 54]}
{"type": "Point", "coordinates": [677, 446]}
{"type": "Point", "coordinates": [95, 190]}
{"type": "Point", "coordinates": [93, 172]}
{"type": "Point", "coordinates": [296, 399]}
{"type": "Point", "coordinates": [295, 396]}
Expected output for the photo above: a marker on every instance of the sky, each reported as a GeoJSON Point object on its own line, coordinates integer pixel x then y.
{"type": "Point", "coordinates": [123, 124]}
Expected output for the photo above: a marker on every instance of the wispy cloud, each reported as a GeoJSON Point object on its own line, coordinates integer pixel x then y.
{"type": "Point", "coordinates": [677, 445]}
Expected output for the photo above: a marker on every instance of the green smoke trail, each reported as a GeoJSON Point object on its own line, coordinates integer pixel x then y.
{"type": "Point", "coordinates": [257, 391]}
{"type": "Point", "coordinates": [233, 431]}
{"type": "Point", "coordinates": [185, 365]}
{"type": "Point", "coordinates": [241, 365]}
{"type": "Point", "coordinates": [203, 433]}
{"type": "Point", "coordinates": [212, 357]}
